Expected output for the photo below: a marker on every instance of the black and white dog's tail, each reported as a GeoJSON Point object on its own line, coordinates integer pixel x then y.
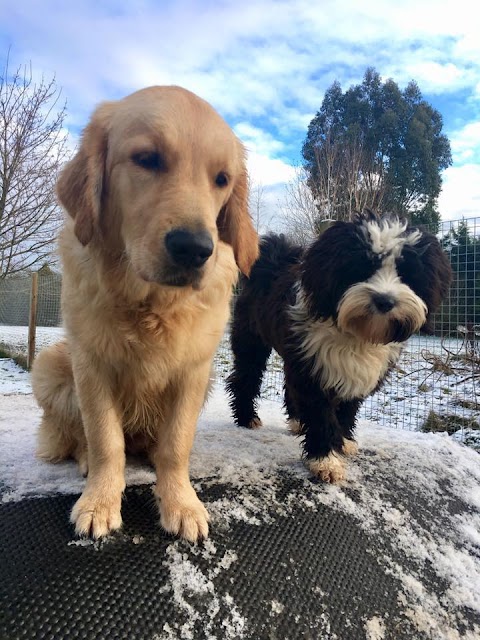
{"type": "Point", "coordinates": [277, 257]}
{"type": "Point", "coordinates": [258, 322]}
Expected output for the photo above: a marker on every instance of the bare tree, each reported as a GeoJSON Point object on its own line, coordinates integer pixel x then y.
{"type": "Point", "coordinates": [261, 216]}
{"type": "Point", "coordinates": [347, 178]}
{"type": "Point", "coordinates": [32, 150]}
{"type": "Point", "coordinates": [302, 217]}
{"type": "Point", "coordinates": [257, 205]}
{"type": "Point", "coordinates": [345, 182]}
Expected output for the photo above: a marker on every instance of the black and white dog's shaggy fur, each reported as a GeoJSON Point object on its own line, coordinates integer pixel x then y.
{"type": "Point", "coordinates": [337, 313]}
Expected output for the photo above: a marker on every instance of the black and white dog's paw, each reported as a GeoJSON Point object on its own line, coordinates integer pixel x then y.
{"type": "Point", "coordinates": [330, 468]}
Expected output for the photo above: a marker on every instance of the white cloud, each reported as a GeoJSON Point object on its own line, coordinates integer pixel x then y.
{"type": "Point", "coordinates": [436, 76]}
{"type": "Point", "coordinates": [267, 205]}
{"type": "Point", "coordinates": [258, 140]}
{"type": "Point", "coordinates": [264, 168]}
{"type": "Point", "coordinates": [269, 171]}
{"type": "Point", "coordinates": [265, 65]}
{"type": "Point", "coordinates": [460, 196]}
{"type": "Point", "coordinates": [244, 58]}
{"type": "Point", "coordinates": [466, 142]}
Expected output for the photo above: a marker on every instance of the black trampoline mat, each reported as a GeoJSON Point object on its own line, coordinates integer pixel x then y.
{"type": "Point", "coordinates": [310, 571]}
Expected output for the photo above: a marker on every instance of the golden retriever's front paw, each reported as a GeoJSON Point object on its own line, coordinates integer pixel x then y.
{"type": "Point", "coordinates": [185, 517]}
{"type": "Point", "coordinates": [96, 516]}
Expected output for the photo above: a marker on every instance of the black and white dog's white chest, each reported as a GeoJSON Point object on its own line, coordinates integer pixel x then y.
{"type": "Point", "coordinates": [341, 363]}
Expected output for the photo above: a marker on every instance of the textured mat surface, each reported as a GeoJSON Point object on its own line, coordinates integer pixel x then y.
{"type": "Point", "coordinates": [310, 572]}
{"type": "Point", "coordinates": [393, 553]}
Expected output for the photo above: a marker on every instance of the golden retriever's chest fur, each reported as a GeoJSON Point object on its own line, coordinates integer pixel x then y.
{"type": "Point", "coordinates": [143, 336]}
{"type": "Point", "coordinates": [157, 353]}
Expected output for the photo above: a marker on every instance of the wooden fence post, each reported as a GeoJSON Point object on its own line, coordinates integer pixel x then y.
{"type": "Point", "coordinates": [32, 322]}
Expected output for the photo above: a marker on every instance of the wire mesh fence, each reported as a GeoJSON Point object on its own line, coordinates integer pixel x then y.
{"type": "Point", "coordinates": [434, 387]}
{"type": "Point", "coordinates": [15, 294]}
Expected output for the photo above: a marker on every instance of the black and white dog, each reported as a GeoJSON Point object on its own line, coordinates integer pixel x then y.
{"type": "Point", "coordinates": [337, 313]}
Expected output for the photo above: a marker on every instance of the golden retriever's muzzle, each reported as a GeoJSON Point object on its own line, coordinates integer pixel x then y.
{"type": "Point", "coordinates": [187, 252]}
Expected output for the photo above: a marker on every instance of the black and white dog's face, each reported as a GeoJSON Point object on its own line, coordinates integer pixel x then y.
{"type": "Point", "coordinates": [376, 277]}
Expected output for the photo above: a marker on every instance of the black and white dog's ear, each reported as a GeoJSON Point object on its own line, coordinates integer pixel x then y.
{"type": "Point", "coordinates": [319, 271]}
{"type": "Point", "coordinates": [433, 274]}
{"type": "Point", "coordinates": [366, 215]}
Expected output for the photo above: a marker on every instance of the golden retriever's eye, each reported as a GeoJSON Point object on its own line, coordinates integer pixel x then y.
{"type": "Point", "coordinates": [222, 179]}
{"type": "Point", "coordinates": [149, 160]}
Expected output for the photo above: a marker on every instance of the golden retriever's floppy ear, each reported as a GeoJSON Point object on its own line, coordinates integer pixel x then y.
{"type": "Point", "coordinates": [235, 226]}
{"type": "Point", "coordinates": [80, 185]}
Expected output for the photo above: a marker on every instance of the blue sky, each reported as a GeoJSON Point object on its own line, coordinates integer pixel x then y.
{"type": "Point", "coordinates": [264, 65]}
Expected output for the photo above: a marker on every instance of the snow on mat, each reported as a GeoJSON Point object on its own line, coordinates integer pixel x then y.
{"type": "Point", "coordinates": [418, 492]}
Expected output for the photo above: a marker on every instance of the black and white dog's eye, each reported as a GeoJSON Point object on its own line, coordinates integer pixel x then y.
{"type": "Point", "coordinates": [149, 160]}
{"type": "Point", "coordinates": [221, 180]}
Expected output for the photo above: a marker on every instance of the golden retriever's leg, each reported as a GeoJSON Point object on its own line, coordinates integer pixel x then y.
{"type": "Point", "coordinates": [61, 440]}
{"type": "Point", "coordinates": [60, 434]}
{"type": "Point", "coordinates": [181, 512]}
{"type": "Point", "coordinates": [97, 511]}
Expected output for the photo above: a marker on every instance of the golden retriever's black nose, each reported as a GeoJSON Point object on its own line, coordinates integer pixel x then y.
{"type": "Point", "coordinates": [189, 249]}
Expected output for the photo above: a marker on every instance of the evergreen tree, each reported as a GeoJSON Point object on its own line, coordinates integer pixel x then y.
{"type": "Point", "coordinates": [379, 147]}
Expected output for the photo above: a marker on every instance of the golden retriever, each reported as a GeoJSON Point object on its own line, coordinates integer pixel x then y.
{"type": "Point", "coordinates": [157, 224]}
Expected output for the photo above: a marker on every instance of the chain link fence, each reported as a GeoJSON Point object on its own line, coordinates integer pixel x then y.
{"type": "Point", "coordinates": [434, 387]}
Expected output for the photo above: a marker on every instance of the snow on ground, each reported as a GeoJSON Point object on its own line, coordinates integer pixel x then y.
{"type": "Point", "coordinates": [13, 379]}
{"type": "Point", "coordinates": [16, 338]}
{"type": "Point", "coordinates": [434, 377]}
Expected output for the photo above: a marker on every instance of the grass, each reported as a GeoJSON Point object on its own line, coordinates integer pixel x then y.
{"type": "Point", "coordinates": [449, 423]}
{"type": "Point", "coordinates": [468, 404]}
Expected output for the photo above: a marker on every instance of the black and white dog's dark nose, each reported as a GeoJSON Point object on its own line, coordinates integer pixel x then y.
{"type": "Point", "coordinates": [187, 249]}
{"type": "Point", "coordinates": [383, 302]}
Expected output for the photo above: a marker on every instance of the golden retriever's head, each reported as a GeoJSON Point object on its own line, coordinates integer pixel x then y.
{"type": "Point", "coordinates": [160, 177]}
